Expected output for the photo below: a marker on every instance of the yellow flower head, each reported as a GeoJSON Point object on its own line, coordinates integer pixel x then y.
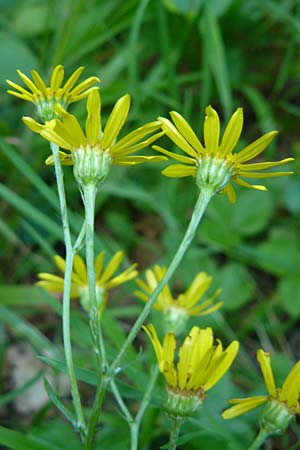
{"type": "Point", "coordinates": [214, 163]}
{"type": "Point", "coordinates": [93, 152]}
{"type": "Point", "coordinates": [177, 310]}
{"type": "Point", "coordinates": [201, 363]}
{"type": "Point", "coordinates": [284, 400]}
{"type": "Point", "coordinates": [105, 279]}
{"type": "Point", "coordinates": [46, 98]}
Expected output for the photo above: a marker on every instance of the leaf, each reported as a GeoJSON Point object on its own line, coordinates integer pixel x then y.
{"type": "Point", "coordinates": [24, 329]}
{"type": "Point", "coordinates": [19, 441]}
{"type": "Point", "coordinates": [59, 405]}
{"type": "Point", "coordinates": [85, 375]}
{"type": "Point", "coordinates": [289, 292]}
{"type": "Point", "coordinates": [237, 286]}
{"type": "Point", "coordinates": [11, 295]}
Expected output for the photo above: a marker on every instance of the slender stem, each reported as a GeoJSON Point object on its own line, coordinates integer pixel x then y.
{"type": "Point", "coordinates": [259, 440]}
{"type": "Point", "coordinates": [94, 417]}
{"type": "Point", "coordinates": [201, 204]}
{"type": "Point", "coordinates": [121, 402]}
{"type": "Point", "coordinates": [135, 425]}
{"type": "Point", "coordinates": [80, 240]}
{"type": "Point", "coordinates": [89, 195]}
{"type": "Point", "coordinates": [67, 289]}
{"type": "Point", "coordinates": [176, 424]}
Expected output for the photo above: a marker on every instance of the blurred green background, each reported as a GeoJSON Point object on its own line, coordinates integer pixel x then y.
{"type": "Point", "coordinates": [169, 55]}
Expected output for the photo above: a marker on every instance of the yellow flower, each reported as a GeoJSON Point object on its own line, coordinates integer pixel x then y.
{"type": "Point", "coordinates": [67, 134]}
{"type": "Point", "coordinates": [284, 399]}
{"type": "Point", "coordinates": [45, 98]}
{"type": "Point", "coordinates": [215, 163]}
{"type": "Point", "coordinates": [79, 286]}
{"type": "Point", "coordinates": [200, 366]}
{"type": "Point", "coordinates": [177, 310]}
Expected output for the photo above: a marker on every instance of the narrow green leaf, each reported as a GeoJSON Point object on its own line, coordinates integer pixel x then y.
{"type": "Point", "coordinates": [26, 170]}
{"type": "Point", "coordinates": [19, 441]}
{"type": "Point", "coordinates": [88, 376]}
{"type": "Point", "coordinates": [24, 329]}
{"type": "Point", "coordinates": [59, 405]}
{"type": "Point", "coordinates": [28, 210]}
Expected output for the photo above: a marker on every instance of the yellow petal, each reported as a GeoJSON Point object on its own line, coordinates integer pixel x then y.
{"type": "Point", "coordinates": [83, 88]}
{"type": "Point", "coordinates": [184, 363]}
{"type": "Point", "coordinates": [65, 158]}
{"type": "Point", "coordinates": [38, 81]}
{"type": "Point", "coordinates": [187, 132]}
{"type": "Point", "coordinates": [60, 262]}
{"type": "Point", "coordinates": [254, 149]}
{"type": "Point", "coordinates": [263, 175]}
{"type": "Point", "coordinates": [32, 124]}
{"type": "Point", "coordinates": [28, 82]}
{"type": "Point", "coordinates": [264, 165]}
{"type": "Point", "coordinates": [93, 124]}
{"type": "Point", "coordinates": [180, 158]}
{"type": "Point", "coordinates": [115, 121]}
{"type": "Point", "coordinates": [72, 80]}
{"type": "Point", "coordinates": [176, 137]}
{"type": "Point", "coordinates": [99, 264]}
{"type": "Point", "coordinates": [51, 136]}
{"type": "Point", "coordinates": [134, 148]}
{"type": "Point", "coordinates": [151, 332]}
{"type": "Point", "coordinates": [243, 406]}
{"type": "Point", "coordinates": [248, 185]}
{"type": "Point", "coordinates": [133, 160]}
{"type": "Point", "coordinates": [134, 136]}
{"type": "Point", "coordinates": [230, 191]}
{"type": "Point", "coordinates": [264, 361]}
{"type": "Point", "coordinates": [70, 125]}
{"type": "Point", "coordinates": [80, 269]}
{"type": "Point", "coordinates": [230, 354]}
{"type": "Point", "coordinates": [24, 96]}
{"type": "Point", "coordinates": [179, 170]}
{"type": "Point", "coordinates": [197, 289]}
{"type": "Point", "coordinates": [167, 365]}
{"type": "Point", "coordinates": [291, 386]}
{"type": "Point", "coordinates": [111, 267]}
{"type": "Point", "coordinates": [232, 132]}
{"type": "Point", "coordinates": [125, 276]}
{"type": "Point", "coordinates": [211, 130]}
{"type": "Point", "coordinates": [56, 78]}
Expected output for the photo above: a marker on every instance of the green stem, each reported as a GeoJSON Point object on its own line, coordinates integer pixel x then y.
{"type": "Point", "coordinates": [176, 424]}
{"type": "Point", "coordinates": [135, 424]}
{"type": "Point", "coordinates": [259, 440]}
{"type": "Point", "coordinates": [201, 204]}
{"type": "Point", "coordinates": [121, 402]}
{"type": "Point", "coordinates": [89, 195]}
{"type": "Point", "coordinates": [67, 289]}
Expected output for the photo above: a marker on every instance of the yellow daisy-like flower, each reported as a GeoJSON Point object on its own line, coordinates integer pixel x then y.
{"type": "Point", "coordinates": [94, 151]}
{"type": "Point", "coordinates": [177, 310]}
{"type": "Point", "coordinates": [215, 163]}
{"type": "Point", "coordinates": [281, 403]}
{"type": "Point", "coordinates": [201, 364]}
{"type": "Point", "coordinates": [105, 279]}
{"type": "Point", "coordinates": [46, 97]}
